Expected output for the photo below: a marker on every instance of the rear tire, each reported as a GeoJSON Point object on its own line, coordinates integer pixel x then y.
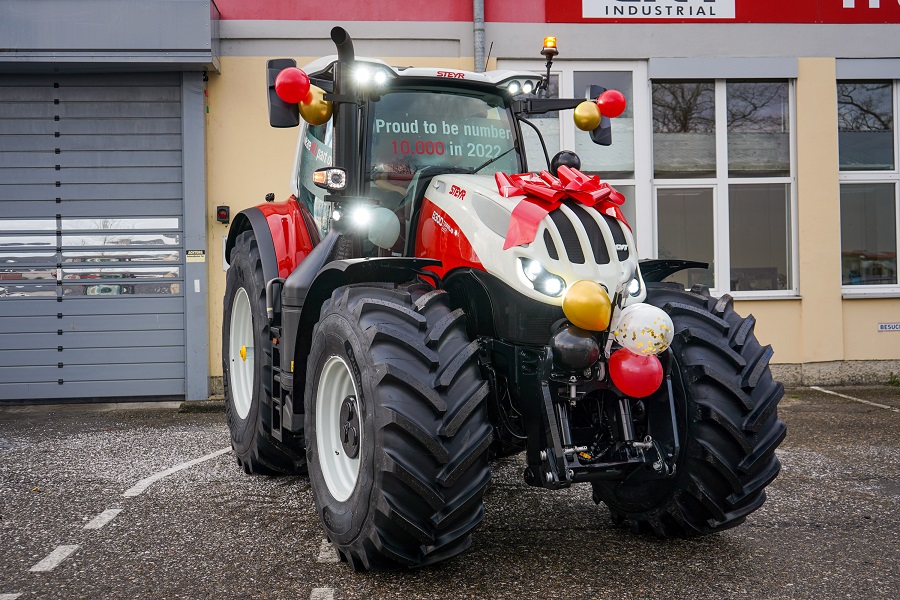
{"type": "Point", "coordinates": [247, 367]}
{"type": "Point", "coordinates": [404, 487]}
{"type": "Point", "coordinates": [726, 402]}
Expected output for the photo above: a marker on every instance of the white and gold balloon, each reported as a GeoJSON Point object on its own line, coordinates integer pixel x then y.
{"type": "Point", "coordinates": [643, 329]}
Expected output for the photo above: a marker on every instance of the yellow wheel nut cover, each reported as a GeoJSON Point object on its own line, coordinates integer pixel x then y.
{"type": "Point", "coordinates": [243, 352]}
{"type": "Point", "coordinates": [587, 306]}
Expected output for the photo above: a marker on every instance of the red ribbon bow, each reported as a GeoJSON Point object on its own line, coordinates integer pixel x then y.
{"type": "Point", "coordinates": [544, 193]}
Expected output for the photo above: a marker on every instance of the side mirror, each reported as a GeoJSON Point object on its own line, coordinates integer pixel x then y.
{"type": "Point", "coordinates": [602, 134]}
{"type": "Point", "coordinates": [281, 113]}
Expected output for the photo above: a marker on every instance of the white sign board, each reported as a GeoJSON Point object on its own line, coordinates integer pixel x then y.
{"type": "Point", "coordinates": [889, 327]}
{"type": "Point", "coordinates": [657, 9]}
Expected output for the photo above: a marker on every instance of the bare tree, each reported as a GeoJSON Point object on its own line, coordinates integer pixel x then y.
{"type": "Point", "coordinates": [758, 107]}
{"type": "Point", "coordinates": [684, 107]}
{"type": "Point", "coordinates": [865, 106]}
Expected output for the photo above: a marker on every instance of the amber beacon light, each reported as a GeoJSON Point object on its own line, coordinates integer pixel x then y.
{"type": "Point", "coordinates": [549, 47]}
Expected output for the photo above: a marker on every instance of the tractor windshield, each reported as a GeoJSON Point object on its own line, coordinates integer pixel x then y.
{"type": "Point", "coordinates": [410, 130]}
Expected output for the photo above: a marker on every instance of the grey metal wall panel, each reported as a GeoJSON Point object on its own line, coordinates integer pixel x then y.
{"type": "Point", "coordinates": [92, 339]}
{"type": "Point", "coordinates": [78, 306]}
{"type": "Point", "coordinates": [76, 323]}
{"type": "Point", "coordinates": [50, 191]}
{"type": "Point", "coordinates": [80, 80]}
{"type": "Point", "coordinates": [97, 356]}
{"type": "Point", "coordinates": [49, 143]}
{"type": "Point", "coordinates": [194, 123]}
{"type": "Point", "coordinates": [153, 25]}
{"type": "Point", "coordinates": [48, 93]}
{"type": "Point", "coordinates": [98, 373]}
{"type": "Point", "coordinates": [118, 175]}
{"type": "Point", "coordinates": [91, 389]}
{"type": "Point", "coordinates": [88, 110]}
{"type": "Point", "coordinates": [89, 127]}
{"type": "Point", "coordinates": [107, 304]}
{"type": "Point", "coordinates": [75, 158]}
{"type": "Point", "coordinates": [723, 68]}
{"type": "Point", "coordinates": [89, 208]}
{"type": "Point", "coordinates": [871, 68]}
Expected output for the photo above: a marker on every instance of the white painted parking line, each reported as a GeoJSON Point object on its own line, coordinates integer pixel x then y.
{"type": "Point", "coordinates": [143, 484]}
{"type": "Point", "coordinates": [875, 404]}
{"type": "Point", "coordinates": [327, 553]}
{"type": "Point", "coordinates": [103, 518]}
{"type": "Point", "coordinates": [322, 594]}
{"type": "Point", "coordinates": [10, 596]}
{"type": "Point", "coordinates": [53, 559]}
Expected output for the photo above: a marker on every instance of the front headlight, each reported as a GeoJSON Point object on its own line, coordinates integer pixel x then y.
{"type": "Point", "coordinates": [541, 279]}
{"type": "Point", "coordinates": [634, 287]}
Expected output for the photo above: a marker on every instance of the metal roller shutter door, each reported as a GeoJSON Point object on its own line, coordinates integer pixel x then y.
{"type": "Point", "coordinates": [91, 236]}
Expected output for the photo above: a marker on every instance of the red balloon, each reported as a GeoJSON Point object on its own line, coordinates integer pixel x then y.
{"type": "Point", "coordinates": [635, 375]}
{"type": "Point", "coordinates": [611, 103]}
{"type": "Point", "coordinates": [292, 85]}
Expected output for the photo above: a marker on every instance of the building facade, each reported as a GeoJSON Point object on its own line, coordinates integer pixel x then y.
{"type": "Point", "coordinates": [759, 138]}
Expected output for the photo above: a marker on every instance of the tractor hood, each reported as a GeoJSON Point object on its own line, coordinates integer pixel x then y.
{"type": "Point", "coordinates": [571, 244]}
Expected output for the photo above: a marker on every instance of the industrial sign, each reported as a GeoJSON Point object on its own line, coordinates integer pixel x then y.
{"type": "Point", "coordinates": [722, 11]}
{"type": "Point", "coordinates": [659, 9]}
{"type": "Point", "coordinates": [889, 327]}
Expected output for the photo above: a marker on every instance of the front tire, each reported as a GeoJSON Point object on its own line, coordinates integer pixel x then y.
{"type": "Point", "coordinates": [397, 426]}
{"type": "Point", "coordinates": [247, 367]}
{"type": "Point", "coordinates": [727, 415]}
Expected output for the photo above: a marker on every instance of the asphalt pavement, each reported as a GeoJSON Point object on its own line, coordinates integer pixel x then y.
{"type": "Point", "coordinates": [142, 500]}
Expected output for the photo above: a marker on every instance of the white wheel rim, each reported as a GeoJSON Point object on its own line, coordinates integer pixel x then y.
{"type": "Point", "coordinates": [241, 353]}
{"type": "Point", "coordinates": [339, 470]}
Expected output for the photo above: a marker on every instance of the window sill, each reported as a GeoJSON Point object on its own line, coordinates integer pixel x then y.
{"type": "Point", "coordinates": [870, 292]}
{"type": "Point", "coordinates": [743, 297]}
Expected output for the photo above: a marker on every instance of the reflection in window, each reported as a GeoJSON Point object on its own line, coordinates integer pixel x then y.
{"type": "Point", "coordinates": [121, 239]}
{"type": "Point", "coordinates": [629, 209]}
{"type": "Point", "coordinates": [131, 256]}
{"type": "Point", "coordinates": [616, 161]}
{"type": "Point", "coordinates": [110, 288]}
{"type": "Point", "coordinates": [868, 234]}
{"type": "Point", "coordinates": [122, 273]}
{"type": "Point", "coordinates": [758, 129]}
{"type": "Point", "coordinates": [548, 125]}
{"type": "Point", "coordinates": [685, 218]}
{"type": "Point", "coordinates": [866, 125]}
{"type": "Point", "coordinates": [10, 225]}
{"type": "Point", "coordinates": [14, 290]}
{"type": "Point", "coordinates": [119, 223]}
{"type": "Point", "coordinates": [27, 241]}
{"type": "Point", "coordinates": [684, 129]}
{"type": "Point", "coordinates": [760, 239]}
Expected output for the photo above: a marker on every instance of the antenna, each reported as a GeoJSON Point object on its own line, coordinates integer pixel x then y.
{"type": "Point", "coordinates": [488, 57]}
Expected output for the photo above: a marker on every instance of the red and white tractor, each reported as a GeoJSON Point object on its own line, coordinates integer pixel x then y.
{"type": "Point", "coordinates": [424, 303]}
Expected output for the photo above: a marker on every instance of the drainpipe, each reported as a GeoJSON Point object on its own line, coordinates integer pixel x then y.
{"type": "Point", "coordinates": [478, 22]}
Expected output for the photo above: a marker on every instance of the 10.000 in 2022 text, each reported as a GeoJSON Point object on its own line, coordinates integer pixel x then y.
{"type": "Point", "coordinates": [431, 148]}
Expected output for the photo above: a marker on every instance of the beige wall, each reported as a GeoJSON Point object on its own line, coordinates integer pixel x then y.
{"type": "Point", "coordinates": [247, 159]}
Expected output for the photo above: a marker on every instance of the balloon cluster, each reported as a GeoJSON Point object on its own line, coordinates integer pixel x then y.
{"type": "Point", "coordinates": [610, 103]}
{"type": "Point", "coordinates": [292, 85]}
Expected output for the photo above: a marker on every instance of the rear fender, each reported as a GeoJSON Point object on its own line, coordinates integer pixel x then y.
{"type": "Point", "coordinates": [284, 232]}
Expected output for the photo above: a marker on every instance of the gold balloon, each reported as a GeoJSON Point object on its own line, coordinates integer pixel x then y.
{"type": "Point", "coordinates": [314, 109]}
{"type": "Point", "coordinates": [587, 306]}
{"type": "Point", "coordinates": [587, 116]}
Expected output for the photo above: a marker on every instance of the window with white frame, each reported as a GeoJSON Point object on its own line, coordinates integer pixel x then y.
{"type": "Point", "coordinates": [870, 185]}
{"type": "Point", "coordinates": [723, 180]}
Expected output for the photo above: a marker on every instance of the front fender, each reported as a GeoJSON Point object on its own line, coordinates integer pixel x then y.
{"type": "Point", "coordinates": [307, 289]}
